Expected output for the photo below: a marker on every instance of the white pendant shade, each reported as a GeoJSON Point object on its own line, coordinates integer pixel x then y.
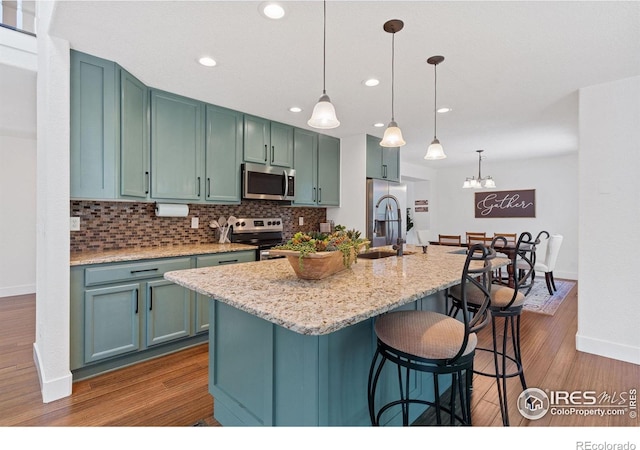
{"type": "Point", "coordinates": [489, 183]}
{"type": "Point", "coordinates": [324, 115]}
{"type": "Point", "coordinates": [392, 136]}
{"type": "Point", "coordinates": [435, 151]}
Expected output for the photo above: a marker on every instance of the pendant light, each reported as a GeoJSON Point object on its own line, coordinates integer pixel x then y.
{"type": "Point", "coordinates": [392, 135]}
{"type": "Point", "coordinates": [324, 114]}
{"type": "Point", "coordinates": [480, 182]}
{"type": "Point", "coordinates": [435, 150]}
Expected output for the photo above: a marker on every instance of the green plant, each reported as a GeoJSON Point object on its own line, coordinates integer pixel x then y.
{"type": "Point", "coordinates": [340, 239]}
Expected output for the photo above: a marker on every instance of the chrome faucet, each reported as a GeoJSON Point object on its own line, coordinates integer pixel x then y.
{"type": "Point", "coordinates": [398, 247]}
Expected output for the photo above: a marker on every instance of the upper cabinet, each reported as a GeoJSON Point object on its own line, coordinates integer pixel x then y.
{"type": "Point", "coordinates": [177, 147]}
{"type": "Point", "coordinates": [317, 166]}
{"type": "Point", "coordinates": [382, 162]}
{"type": "Point", "coordinates": [134, 137]}
{"type": "Point", "coordinates": [94, 127]}
{"type": "Point", "coordinates": [223, 154]}
{"type": "Point", "coordinates": [267, 142]}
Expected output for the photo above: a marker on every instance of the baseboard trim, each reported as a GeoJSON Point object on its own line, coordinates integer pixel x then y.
{"type": "Point", "coordinates": [608, 349]}
{"type": "Point", "coordinates": [11, 291]}
{"type": "Point", "coordinates": [562, 275]}
{"type": "Point", "coordinates": [52, 389]}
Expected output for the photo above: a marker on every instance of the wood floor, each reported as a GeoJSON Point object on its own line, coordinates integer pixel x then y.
{"type": "Point", "coordinates": [172, 390]}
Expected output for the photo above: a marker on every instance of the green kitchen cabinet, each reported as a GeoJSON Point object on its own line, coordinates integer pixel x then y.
{"type": "Point", "coordinates": [267, 142]}
{"type": "Point", "coordinates": [328, 171]}
{"type": "Point", "coordinates": [317, 166]}
{"type": "Point", "coordinates": [168, 310]}
{"type": "Point", "coordinates": [134, 137]}
{"type": "Point", "coordinates": [383, 163]}
{"type": "Point", "coordinates": [177, 147]}
{"type": "Point", "coordinates": [305, 163]}
{"type": "Point", "coordinates": [217, 259]}
{"type": "Point", "coordinates": [223, 154]}
{"type": "Point", "coordinates": [93, 127]}
{"type": "Point", "coordinates": [111, 321]}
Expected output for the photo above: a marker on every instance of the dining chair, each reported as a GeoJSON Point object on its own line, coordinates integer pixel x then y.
{"type": "Point", "coordinates": [510, 237]}
{"type": "Point", "coordinates": [526, 261]}
{"type": "Point", "coordinates": [506, 305]}
{"type": "Point", "coordinates": [476, 238]}
{"type": "Point", "coordinates": [449, 239]}
{"type": "Point", "coordinates": [431, 342]}
{"type": "Point", "coordinates": [549, 263]}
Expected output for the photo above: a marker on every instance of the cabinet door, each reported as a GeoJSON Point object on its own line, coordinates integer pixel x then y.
{"type": "Point", "coordinates": [94, 124]}
{"type": "Point", "coordinates": [177, 147]}
{"type": "Point", "coordinates": [168, 310]}
{"type": "Point", "coordinates": [223, 154]}
{"type": "Point", "coordinates": [328, 171]}
{"type": "Point", "coordinates": [305, 157]}
{"type": "Point", "coordinates": [112, 321]}
{"type": "Point", "coordinates": [281, 152]}
{"type": "Point", "coordinates": [374, 158]}
{"type": "Point", "coordinates": [257, 139]}
{"type": "Point", "coordinates": [134, 137]}
{"type": "Point", "coordinates": [391, 163]}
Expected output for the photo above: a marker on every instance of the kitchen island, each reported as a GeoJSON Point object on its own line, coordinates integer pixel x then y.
{"type": "Point", "coordinates": [288, 351]}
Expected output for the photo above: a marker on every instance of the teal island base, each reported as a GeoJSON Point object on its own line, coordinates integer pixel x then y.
{"type": "Point", "coordinates": [261, 374]}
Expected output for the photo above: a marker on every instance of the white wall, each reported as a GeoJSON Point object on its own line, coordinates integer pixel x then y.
{"type": "Point", "coordinates": [556, 183]}
{"type": "Point", "coordinates": [17, 181]}
{"type": "Point", "coordinates": [353, 184]}
{"type": "Point", "coordinates": [609, 309]}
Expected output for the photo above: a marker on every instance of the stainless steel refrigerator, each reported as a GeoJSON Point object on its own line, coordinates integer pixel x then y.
{"type": "Point", "coordinates": [386, 211]}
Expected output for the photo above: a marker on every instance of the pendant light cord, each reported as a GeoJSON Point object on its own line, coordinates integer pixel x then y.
{"type": "Point", "coordinates": [393, 48]}
{"type": "Point", "coordinates": [435, 101]}
{"type": "Point", "coordinates": [324, 48]}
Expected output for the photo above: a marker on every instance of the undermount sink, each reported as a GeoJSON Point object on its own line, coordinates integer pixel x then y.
{"type": "Point", "coordinates": [377, 254]}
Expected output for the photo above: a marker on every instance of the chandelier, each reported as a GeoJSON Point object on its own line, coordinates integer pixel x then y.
{"type": "Point", "coordinates": [477, 183]}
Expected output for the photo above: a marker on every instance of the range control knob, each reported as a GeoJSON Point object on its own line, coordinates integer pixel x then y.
{"type": "Point", "coordinates": [237, 224]}
{"type": "Point", "coordinates": [243, 224]}
{"type": "Point", "coordinates": [269, 223]}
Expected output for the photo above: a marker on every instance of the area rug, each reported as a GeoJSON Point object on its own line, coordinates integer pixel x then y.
{"type": "Point", "coordinates": [539, 300]}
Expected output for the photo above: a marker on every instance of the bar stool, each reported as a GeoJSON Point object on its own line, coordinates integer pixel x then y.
{"type": "Point", "coordinates": [506, 304]}
{"type": "Point", "coordinates": [425, 341]}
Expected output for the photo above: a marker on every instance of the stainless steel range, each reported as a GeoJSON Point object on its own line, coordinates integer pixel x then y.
{"type": "Point", "coordinates": [264, 233]}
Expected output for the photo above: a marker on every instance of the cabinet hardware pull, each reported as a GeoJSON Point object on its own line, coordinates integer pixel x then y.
{"type": "Point", "coordinates": [319, 195]}
{"type": "Point", "coordinates": [273, 150]}
{"type": "Point", "coordinates": [228, 261]}
{"type": "Point", "coordinates": [208, 187]}
{"type": "Point", "coordinates": [265, 152]}
{"type": "Point", "coordinates": [198, 186]}
{"type": "Point", "coordinates": [143, 270]}
{"type": "Point", "coordinates": [314, 194]}
{"type": "Point", "coordinates": [384, 171]}
{"type": "Point", "coordinates": [150, 298]}
{"type": "Point", "coordinates": [137, 300]}
{"type": "Point", "coordinates": [146, 182]}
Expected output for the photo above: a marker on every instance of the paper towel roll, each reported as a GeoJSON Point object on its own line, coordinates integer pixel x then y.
{"type": "Point", "coordinates": [171, 210]}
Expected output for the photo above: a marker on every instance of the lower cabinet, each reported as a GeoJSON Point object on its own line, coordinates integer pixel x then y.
{"type": "Point", "coordinates": [122, 313]}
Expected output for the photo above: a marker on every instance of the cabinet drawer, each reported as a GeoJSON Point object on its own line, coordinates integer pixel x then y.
{"type": "Point", "coordinates": [135, 271]}
{"type": "Point", "coordinates": [226, 258]}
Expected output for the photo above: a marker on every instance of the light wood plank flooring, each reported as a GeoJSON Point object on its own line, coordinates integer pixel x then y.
{"type": "Point", "coordinates": [172, 390]}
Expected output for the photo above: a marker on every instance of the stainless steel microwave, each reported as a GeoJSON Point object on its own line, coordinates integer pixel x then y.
{"type": "Point", "coordinates": [267, 182]}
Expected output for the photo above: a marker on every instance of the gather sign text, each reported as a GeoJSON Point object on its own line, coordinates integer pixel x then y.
{"type": "Point", "coordinates": [506, 203]}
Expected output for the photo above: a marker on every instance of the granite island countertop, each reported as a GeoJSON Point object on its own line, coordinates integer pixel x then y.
{"type": "Point", "coordinates": [138, 253]}
{"type": "Point", "coordinates": [271, 290]}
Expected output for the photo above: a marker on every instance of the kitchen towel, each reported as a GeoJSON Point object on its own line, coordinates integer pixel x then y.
{"type": "Point", "coordinates": [171, 210]}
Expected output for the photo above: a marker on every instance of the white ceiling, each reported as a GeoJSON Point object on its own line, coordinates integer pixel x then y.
{"type": "Point", "coordinates": [511, 70]}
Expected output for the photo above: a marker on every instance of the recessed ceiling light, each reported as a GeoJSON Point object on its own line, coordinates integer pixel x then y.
{"type": "Point", "coordinates": [207, 61]}
{"type": "Point", "coordinates": [378, 125]}
{"type": "Point", "coordinates": [371, 82]}
{"type": "Point", "coordinates": [444, 109]}
{"type": "Point", "coordinates": [295, 109]}
{"type": "Point", "coordinates": [272, 10]}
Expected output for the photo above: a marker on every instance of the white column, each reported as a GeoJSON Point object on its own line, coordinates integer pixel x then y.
{"type": "Point", "coordinates": [51, 348]}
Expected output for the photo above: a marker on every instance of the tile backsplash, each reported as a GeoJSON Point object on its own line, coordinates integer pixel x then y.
{"type": "Point", "coordinates": [108, 225]}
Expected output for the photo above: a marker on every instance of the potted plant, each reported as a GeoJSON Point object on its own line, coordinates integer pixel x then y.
{"type": "Point", "coordinates": [316, 255]}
